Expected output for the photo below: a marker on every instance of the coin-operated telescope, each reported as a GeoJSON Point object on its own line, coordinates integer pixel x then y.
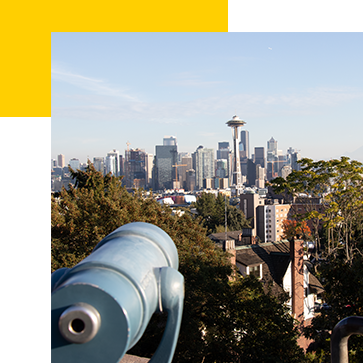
{"type": "Point", "coordinates": [102, 306]}
{"type": "Point", "coordinates": [339, 339]}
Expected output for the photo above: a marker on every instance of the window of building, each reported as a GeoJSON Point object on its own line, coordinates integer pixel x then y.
{"type": "Point", "coordinates": [255, 271]}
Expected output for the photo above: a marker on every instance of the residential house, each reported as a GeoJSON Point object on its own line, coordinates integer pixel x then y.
{"type": "Point", "coordinates": [281, 267]}
{"type": "Point", "coordinates": [241, 238]}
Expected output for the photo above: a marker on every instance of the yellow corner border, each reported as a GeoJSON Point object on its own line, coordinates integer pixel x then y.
{"type": "Point", "coordinates": [26, 38]}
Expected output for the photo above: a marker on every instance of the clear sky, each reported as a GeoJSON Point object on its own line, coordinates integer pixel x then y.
{"type": "Point", "coordinates": [303, 89]}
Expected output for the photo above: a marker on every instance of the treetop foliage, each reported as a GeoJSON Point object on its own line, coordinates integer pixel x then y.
{"type": "Point", "coordinates": [213, 209]}
{"type": "Point", "coordinates": [338, 185]}
{"type": "Point", "coordinates": [294, 229]}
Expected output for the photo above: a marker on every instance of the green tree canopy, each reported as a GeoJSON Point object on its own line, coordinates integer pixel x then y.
{"type": "Point", "coordinates": [224, 319]}
{"type": "Point", "coordinates": [212, 209]}
{"type": "Point", "coordinates": [338, 184]}
{"type": "Point", "coordinates": [343, 295]}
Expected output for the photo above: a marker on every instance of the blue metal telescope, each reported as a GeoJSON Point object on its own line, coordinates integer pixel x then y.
{"type": "Point", "coordinates": [102, 306]}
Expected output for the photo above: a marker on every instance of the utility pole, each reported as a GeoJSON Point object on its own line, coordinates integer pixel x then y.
{"type": "Point", "coordinates": [225, 216]}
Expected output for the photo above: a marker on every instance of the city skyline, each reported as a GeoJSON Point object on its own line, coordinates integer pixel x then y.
{"type": "Point", "coordinates": [112, 88]}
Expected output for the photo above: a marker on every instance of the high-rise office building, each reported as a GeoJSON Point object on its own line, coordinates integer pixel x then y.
{"type": "Point", "coordinates": [74, 164]}
{"type": "Point", "coordinates": [149, 163]}
{"type": "Point", "coordinates": [223, 150]}
{"type": "Point", "coordinates": [272, 146]}
{"type": "Point", "coordinates": [135, 168]}
{"type": "Point", "coordinates": [252, 172]}
{"type": "Point", "coordinates": [61, 161]}
{"type": "Point", "coordinates": [244, 145]}
{"type": "Point", "coordinates": [190, 180]}
{"type": "Point", "coordinates": [165, 157]}
{"type": "Point", "coordinates": [99, 164]}
{"type": "Point", "coordinates": [112, 163]}
{"type": "Point", "coordinates": [221, 168]}
{"type": "Point", "coordinates": [186, 164]}
{"type": "Point", "coordinates": [194, 155]}
{"type": "Point", "coordinates": [169, 141]}
{"type": "Point", "coordinates": [295, 157]}
{"type": "Point", "coordinates": [204, 162]}
{"type": "Point", "coordinates": [223, 145]}
{"type": "Point", "coordinates": [260, 156]}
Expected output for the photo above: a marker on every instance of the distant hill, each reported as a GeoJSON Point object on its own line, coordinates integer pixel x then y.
{"type": "Point", "coordinates": [356, 154]}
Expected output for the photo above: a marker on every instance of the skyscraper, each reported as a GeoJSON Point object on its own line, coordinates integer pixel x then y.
{"type": "Point", "coordinates": [204, 162]}
{"type": "Point", "coordinates": [149, 162]}
{"type": "Point", "coordinates": [295, 157]}
{"type": "Point", "coordinates": [186, 164]}
{"type": "Point", "coordinates": [271, 147]}
{"type": "Point", "coordinates": [260, 156]}
{"type": "Point", "coordinates": [244, 145]}
{"type": "Point", "coordinates": [74, 164]}
{"type": "Point", "coordinates": [99, 164]}
{"type": "Point", "coordinates": [112, 162]}
{"type": "Point", "coordinates": [135, 168]}
{"type": "Point", "coordinates": [221, 168]}
{"type": "Point", "coordinates": [165, 158]}
{"type": "Point", "coordinates": [61, 161]}
{"type": "Point", "coordinates": [223, 150]}
{"type": "Point", "coordinates": [169, 141]}
{"type": "Point", "coordinates": [190, 180]}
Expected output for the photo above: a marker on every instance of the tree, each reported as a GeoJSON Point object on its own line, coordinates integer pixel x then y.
{"type": "Point", "coordinates": [215, 314]}
{"type": "Point", "coordinates": [292, 229]}
{"type": "Point", "coordinates": [345, 205]}
{"type": "Point", "coordinates": [213, 210]}
{"type": "Point", "coordinates": [338, 184]}
{"type": "Point", "coordinates": [343, 295]}
{"type": "Point", "coordinates": [259, 317]}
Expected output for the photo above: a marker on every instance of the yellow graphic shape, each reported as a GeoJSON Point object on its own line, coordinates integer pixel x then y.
{"type": "Point", "coordinates": [26, 47]}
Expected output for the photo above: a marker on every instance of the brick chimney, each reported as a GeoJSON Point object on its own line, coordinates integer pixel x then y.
{"type": "Point", "coordinates": [229, 246]}
{"type": "Point", "coordinates": [297, 279]}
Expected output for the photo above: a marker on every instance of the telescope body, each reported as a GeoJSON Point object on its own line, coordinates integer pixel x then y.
{"type": "Point", "coordinates": [102, 306]}
{"type": "Point", "coordinates": [340, 335]}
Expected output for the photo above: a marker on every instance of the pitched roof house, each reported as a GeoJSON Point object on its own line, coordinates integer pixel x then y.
{"type": "Point", "coordinates": [281, 267]}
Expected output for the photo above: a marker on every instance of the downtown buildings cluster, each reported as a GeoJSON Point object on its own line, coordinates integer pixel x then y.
{"type": "Point", "coordinates": [170, 169]}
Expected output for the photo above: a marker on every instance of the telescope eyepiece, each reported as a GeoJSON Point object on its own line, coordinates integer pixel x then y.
{"type": "Point", "coordinates": [79, 323]}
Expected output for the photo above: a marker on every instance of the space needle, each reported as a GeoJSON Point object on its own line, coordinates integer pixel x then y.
{"type": "Point", "coordinates": [236, 186]}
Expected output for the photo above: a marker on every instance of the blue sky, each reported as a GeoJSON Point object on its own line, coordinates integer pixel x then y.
{"type": "Point", "coordinates": [303, 89]}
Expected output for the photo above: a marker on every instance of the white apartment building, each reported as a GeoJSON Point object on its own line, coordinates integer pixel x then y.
{"type": "Point", "coordinates": [274, 215]}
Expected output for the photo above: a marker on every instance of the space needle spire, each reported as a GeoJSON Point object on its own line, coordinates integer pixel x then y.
{"type": "Point", "coordinates": [234, 124]}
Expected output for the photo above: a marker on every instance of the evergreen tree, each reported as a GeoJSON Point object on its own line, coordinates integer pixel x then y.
{"type": "Point", "coordinates": [212, 210]}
